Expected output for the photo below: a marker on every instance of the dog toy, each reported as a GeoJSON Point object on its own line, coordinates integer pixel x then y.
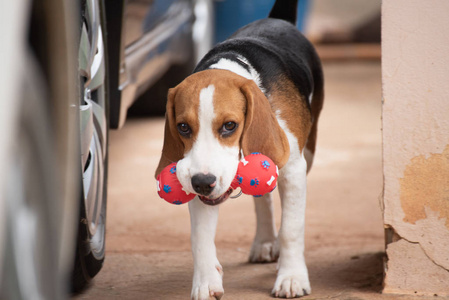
{"type": "Point", "coordinates": [169, 188]}
{"type": "Point", "coordinates": [256, 175]}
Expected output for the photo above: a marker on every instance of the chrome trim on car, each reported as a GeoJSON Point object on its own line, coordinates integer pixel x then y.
{"type": "Point", "coordinates": [179, 14]}
{"type": "Point", "coordinates": [144, 62]}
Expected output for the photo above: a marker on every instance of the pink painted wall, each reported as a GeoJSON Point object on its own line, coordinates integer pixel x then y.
{"type": "Point", "coordinates": [415, 116]}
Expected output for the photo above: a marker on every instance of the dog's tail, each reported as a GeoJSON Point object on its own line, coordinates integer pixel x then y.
{"type": "Point", "coordinates": [285, 10]}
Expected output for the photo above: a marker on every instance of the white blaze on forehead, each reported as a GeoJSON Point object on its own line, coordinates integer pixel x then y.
{"type": "Point", "coordinates": [206, 112]}
{"type": "Point", "coordinates": [205, 139]}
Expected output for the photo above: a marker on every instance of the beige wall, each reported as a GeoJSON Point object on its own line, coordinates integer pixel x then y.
{"type": "Point", "coordinates": [415, 75]}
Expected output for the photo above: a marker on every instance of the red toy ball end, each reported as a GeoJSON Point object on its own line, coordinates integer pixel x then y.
{"type": "Point", "coordinates": [256, 175]}
{"type": "Point", "coordinates": [169, 188]}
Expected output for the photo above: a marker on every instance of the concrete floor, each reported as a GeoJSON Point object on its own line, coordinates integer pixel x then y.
{"type": "Point", "coordinates": [148, 241]}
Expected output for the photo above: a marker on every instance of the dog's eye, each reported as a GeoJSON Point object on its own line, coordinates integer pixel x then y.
{"type": "Point", "coordinates": [228, 128]}
{"type": "Point", "coordinates": [184, 129]}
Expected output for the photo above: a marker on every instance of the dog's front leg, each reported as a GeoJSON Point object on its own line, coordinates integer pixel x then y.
{"type": "Point", "coordinates": [207, 272]}
{"type": "Point", "coordinates": [292, 279]}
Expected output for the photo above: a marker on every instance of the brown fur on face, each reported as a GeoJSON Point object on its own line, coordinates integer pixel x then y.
{"type": "Point", "coordinates": [262, 131]}
{"type": "Point", "coordinates": [235, 99]}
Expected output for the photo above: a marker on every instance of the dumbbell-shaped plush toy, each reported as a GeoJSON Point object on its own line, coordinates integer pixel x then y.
{"type": "Point", "coordinates": [256, 175]}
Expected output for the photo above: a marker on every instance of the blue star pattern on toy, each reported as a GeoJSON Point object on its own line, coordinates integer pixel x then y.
{"type": "Point", "coordinates": [177, 202]}
{"type": "Point", "coordinates": [167, 188]}
{"type": "Point", "coordinates": [265, 164]}
{"type": "Point", "coordinates": [254, 181]}
{"type": "Point", "coordinates": [173, 170]}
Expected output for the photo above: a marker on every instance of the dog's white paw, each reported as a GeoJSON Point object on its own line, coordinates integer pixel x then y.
{"type": "Point", "coordinates": [264, 252]}
{"type": "Point", "coordinates": [291, 285]}
{"type": "Point", "coordinates": [208, 284]}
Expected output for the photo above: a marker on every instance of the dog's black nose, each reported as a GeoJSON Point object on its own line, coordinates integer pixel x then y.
{"type": "Point", "coordinates": [203, 184]}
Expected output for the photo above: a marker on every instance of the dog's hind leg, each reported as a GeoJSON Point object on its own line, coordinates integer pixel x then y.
{"type": "Point", "coordinates": [207, 272]}
{"type": "Point", "coordinates": [316, 106]}
{"type": "Point", "coordinates": [309, 155]}
{"type": "Point", "coordinates": [265, 247]}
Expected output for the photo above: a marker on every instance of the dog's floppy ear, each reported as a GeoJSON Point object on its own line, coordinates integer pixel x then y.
{"type": "Point", "coordinates": [173, 149]}
{"type": "Point", "coordinates": [262, 132]}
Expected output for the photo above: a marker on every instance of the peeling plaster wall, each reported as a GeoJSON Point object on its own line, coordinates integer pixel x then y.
{"type": "Point", "coordinates": [415, 117]}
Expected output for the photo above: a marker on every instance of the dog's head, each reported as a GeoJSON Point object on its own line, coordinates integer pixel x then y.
{"type": "Point", "coordinates": [213, 117]}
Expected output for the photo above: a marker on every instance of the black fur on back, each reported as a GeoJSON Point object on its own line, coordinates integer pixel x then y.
{"type": "Point", "coordinates": [274, 48]}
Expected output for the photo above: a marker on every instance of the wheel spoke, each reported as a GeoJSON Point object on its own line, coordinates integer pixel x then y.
{"type": "Point", "coordinates": [94, 125]}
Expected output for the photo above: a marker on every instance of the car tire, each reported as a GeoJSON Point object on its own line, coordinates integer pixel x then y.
{"type": "Point", "coordinates": [94, 116]}
{"type": "Point", "coordinates": [31, 193]}
{"type": "Point", "coordinates": [38, 190]}
{"type": "Point", "coordinates": [88, 261]}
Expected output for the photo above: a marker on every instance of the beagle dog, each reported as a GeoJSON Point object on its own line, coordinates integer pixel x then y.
{"type": "Point", "coordinates": [259, 91]}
